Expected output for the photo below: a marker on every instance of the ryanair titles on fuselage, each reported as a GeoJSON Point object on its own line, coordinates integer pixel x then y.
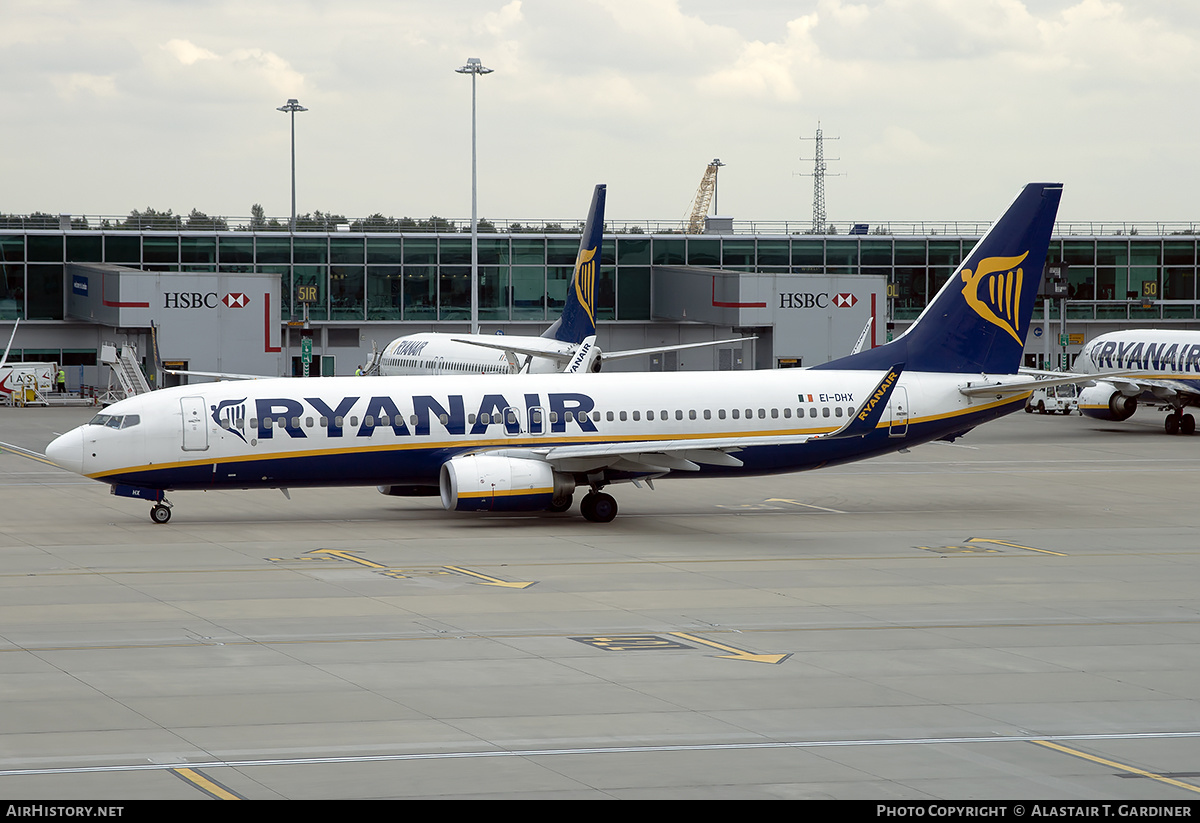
{"type": "Point", "coordinates": [1139, 354]}
{"type": "Point", "coordinates": [559, 408]}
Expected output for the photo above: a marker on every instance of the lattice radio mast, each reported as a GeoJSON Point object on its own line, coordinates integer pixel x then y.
{"type": "Point", "coordinates": [818, 176]}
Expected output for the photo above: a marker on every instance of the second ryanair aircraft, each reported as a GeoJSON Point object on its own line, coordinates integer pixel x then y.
{"type": "Point", "coordinates": [526, 442]}
{"type": "Point", "coordinates": [569, 345]}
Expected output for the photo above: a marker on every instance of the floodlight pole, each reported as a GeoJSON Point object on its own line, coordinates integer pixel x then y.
{"type": "Point", "coordinates": [474, 67]}
{"type": "Point", "coordinates": [291, 107]}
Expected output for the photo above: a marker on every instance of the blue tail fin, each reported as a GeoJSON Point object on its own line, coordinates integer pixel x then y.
{"type": "Point", "coordinates": [578, 320]}
{"type": "Point", "coordinates": [978, 321]}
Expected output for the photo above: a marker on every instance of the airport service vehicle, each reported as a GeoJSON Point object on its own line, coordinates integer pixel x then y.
{"type": "Point", "coordinates": [1162, 369]}
{"type": "Point", "coordinates": [527, 442]}
{"type": "Point", "coordinates": [1053, 399]}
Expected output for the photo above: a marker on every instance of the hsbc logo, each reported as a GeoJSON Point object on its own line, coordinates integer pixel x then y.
{"type": "Point", "coordinates": [815, 300]}
{"type": "Point", "coordinates": [203, 300]}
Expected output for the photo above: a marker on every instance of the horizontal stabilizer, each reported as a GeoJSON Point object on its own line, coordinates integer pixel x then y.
{"type": "Point", "coordinates": [1019, 385]}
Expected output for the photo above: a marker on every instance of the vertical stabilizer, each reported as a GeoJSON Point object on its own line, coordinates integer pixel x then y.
{"type": "Point", "coordinates": [578, 320]}
{"type": "Point", "coordinates": [977, 323]}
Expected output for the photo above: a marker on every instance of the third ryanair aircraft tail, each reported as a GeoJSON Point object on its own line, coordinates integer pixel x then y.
{"type": "Point", "coordinates": [568, 345]}
{"type": "Point", "coordinates": [526, 442]}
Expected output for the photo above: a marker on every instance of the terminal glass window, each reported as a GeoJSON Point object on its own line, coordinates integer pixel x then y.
{"type": "Point", "coordinates": [383, 249]}
{"type": "Point", "coordinates": [876, 253]}
{"type": "Point", "coordinates": [122, 248]}
{"type": "Point", "coordinates": [704, 251]}
{"type": "Point", "coordinates": [420, 252]}
{"type": "Point", "coordinates": [274, 250]}
{"type": "Point", "coordinates": [1112, 270]}
{"type": "Point", "coordinates": [1144, 260]}
{"type": "Point", "coordinates": [454, 284]}
{"type": "Point", "coordinates": [773, 256]}
{"type": "Point", "coordinates": [311, 250]}
{"type": "Point", "coordinates": [633, 251]}
{"type": "Point", "coordinates": [88, 248]}
{"type": "Point", "coordinates": [198, 253]}
{"type": "Point", "coordinates": [606, 293]}
{"type": "Point", "coordinates": [346, 285]}
{"type": "Point", "coordinates": [160, 251]}
{"type": "Point", "coordinates": [557, 280]}
{"type": "Point", "coordinates": [420, 292]}
{"type": "Point", "coordinates": [738, 255]}
{"type": "Point", "coordinates": [346, 250]}
{"type": "Point", "coordinates": [44, 248]}
{"type": "Point", "coordinates": [493, 292]}
{"type": "Point", "coordinates": [1179, 275]}
{"type": "Point", "coordinates": [841, 256]}
{"type": "Point", "coordinates": [383, 292]}
{"type": "Point", "coordinates": [12, 284]}
{"type": "Point", "coordinates": [808, 255]}
{"type": "Point", "coordinates": [528, 251]}
{"type": "Point", "coordinates": [561, 251]}
{"type": "Point", "coordinates": [44, 295]}
{"type": "Point", "coordinates": [633, 293]}
{"type": "Point", "coordinates": [528, 292]}
{"type": "Point", "coordinates": [669, 252]}
{"type": "Point", "coordinates": [233, 253]}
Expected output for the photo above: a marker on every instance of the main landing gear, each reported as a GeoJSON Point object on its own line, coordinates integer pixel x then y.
{"type": "Point", "coordinates": [598, 507]}
{"type": "Point", "coordinates": [1179, 423]}
{"type": "Point", "coordinates": [161, 513]}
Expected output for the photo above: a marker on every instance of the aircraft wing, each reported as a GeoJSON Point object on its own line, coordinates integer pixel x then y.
{"type": "Point", "coordinates": [1003, 385]}
{"type": "Point", "coordinates": [618, 355]}
{"type": "Point", "coordinates": [662, 456]}
{"type": "Point", "coordinates": [26, 453]}
{"type": "Point", "coordinates": [1161, 387]}
{"type": "Point", "coordinates": [8, 348]}
{"type": "Point", "coordinates": [531, 347]}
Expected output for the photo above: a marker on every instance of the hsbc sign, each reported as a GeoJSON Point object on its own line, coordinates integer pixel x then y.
{"type": "Point", "coordinates": [203, 300]}
{"type": "Point", "coordinates": [816, 300]}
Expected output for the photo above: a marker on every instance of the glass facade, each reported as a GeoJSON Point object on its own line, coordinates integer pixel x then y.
{"type": "Point", "coordinates": [523, 277]}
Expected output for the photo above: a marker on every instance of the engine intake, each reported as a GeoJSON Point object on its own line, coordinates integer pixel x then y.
{"type": "Point", "coordinates": [1103, 402]}
{"type": "Point", "coordinates": [475, 482]}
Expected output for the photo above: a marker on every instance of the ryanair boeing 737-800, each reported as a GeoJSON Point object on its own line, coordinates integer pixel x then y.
{"type": "Point", "coordinates": [526, 442]}
{"type": "Point", "coordinates": [1162, 369]}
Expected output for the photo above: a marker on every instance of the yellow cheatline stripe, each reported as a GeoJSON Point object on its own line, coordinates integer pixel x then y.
{"type": "Point", "coordinates": [506, 492]}
{"type": "Point", "coordinates": [206, 784]}
{"type": "Point", "coordinates": [1131, 769]}
{"type": "Point", "coordinates": [528, 441]}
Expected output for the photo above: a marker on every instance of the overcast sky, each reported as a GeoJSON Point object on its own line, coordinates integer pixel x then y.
{"type": "Point", "coordinates": [942, 108]}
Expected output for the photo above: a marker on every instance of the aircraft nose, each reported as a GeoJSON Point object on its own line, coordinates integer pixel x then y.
{"type": "Point", "coordinates": [66, 451]}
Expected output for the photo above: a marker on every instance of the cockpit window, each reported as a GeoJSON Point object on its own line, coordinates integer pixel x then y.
{"type": "Point", "coordinates": [115, 421]}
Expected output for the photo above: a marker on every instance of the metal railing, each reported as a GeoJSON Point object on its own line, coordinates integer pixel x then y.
{"type": "Point", "coordinates": [326, 223]}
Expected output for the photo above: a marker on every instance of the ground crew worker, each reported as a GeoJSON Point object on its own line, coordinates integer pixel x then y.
{"type": "Point", "coordinates": [62, 381]}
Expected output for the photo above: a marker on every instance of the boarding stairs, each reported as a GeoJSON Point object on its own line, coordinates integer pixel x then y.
{"type": "Point", "coordinates": [124, 364]}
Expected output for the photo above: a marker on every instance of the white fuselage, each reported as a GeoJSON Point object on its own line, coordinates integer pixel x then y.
{"type": "Point", "coordinates": [400, 430]}
{"type": "Point", "coordinates": [439, 353]}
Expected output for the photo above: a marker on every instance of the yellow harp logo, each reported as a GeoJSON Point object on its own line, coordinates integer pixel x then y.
{"type": "Point", "coordinates": [993, 291]}
{"type": "Point", "coordinates": [585, 281]}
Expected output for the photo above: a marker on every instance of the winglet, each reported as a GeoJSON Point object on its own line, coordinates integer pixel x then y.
{"type": "Point", "coordinates": [868, 414]}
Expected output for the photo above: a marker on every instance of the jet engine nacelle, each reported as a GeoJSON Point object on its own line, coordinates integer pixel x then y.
{"type": "Point", "coordinates": [1104, 402]}
{"type": "Point", "coordinates": [480, 482]}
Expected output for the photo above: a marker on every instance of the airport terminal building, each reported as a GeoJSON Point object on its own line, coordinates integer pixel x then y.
{"type": "Point", "coordinates": [804, 298]}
